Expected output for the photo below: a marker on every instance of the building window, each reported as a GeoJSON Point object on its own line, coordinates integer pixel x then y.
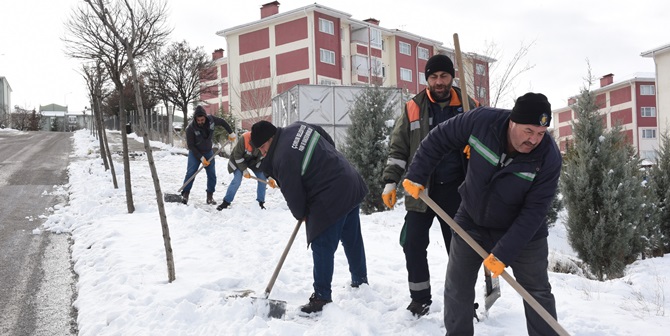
{"type": "Point", "coordinates": [648, 134]}
{"type": "Point", "coordinates": [480, 69]}
{"type": "Point", "coordinates": [405, 48]}
{"type": "Point", "coordinates": [327, 56]}
{"type": "Point", "coordinates": [647, 90]}
{"type": "Point", "coordinates": [481, 92]}
{"type": "Point", "coordinates": [422, 53]}
{"type": "Point", "coordinates": [327, 82]}
{"type": "Point", "coordinates": [72, 119]}
{"type": "Point", "coordinates": [648, 111]}
{"type": "Point", "coordinates": [406, 74]}
{"type": "Point", "coordinates": [375, 38]}
{"type": "Point", "coordinates": [326, 26]}
{"type": "Point", "coordinates": [422, 78]}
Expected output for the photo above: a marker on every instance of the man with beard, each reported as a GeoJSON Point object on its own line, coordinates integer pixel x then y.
{"type": "Point", "coordinates": [439, 102]}
{"type": "Point", "coordinates": [510, 183]}
{"type": "Point", "coordinates": [199, 135]}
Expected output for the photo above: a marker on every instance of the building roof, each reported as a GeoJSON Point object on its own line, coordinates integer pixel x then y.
{"type": "Point", "coordinates": [353, 22]}
{"type": "Point", "coordinates": [53, 107]}
{"type": "Point", "coordinates": [659, 50]}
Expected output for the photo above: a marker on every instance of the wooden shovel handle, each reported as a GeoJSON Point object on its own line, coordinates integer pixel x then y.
{"type": "Point", "coordinates": [482, 253]}
{"type": "Point", "coordinates": [271, 284]}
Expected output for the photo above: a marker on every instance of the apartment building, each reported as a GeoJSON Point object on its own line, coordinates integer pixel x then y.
{"type": "Point", "coordinates": [5, 102]}
{"type": "Point", "coordinates": [630, 103]}
{"type": "Point", "coordinates": [661, 56]}
{"type": "Point", "coordinates": [316, 44]}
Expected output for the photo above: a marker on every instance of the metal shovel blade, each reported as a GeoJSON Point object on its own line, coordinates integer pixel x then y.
{"type": "Point", "coordinates": [492, 291]}
{"type": "Point", "coordinates": [173, 198]}
{"type": "Point", "coordinates": [277, 307]}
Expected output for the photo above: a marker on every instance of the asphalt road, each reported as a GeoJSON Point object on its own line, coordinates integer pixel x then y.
{"type": "Point", "coordinates": [36, 277]}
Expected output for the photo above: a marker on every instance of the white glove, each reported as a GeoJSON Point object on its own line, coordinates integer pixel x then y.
{"type": "Point", "coordinates": [232, 137]}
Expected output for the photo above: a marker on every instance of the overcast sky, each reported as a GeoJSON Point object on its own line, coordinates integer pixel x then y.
{"type": "Point", "coordinates": [610, 34]}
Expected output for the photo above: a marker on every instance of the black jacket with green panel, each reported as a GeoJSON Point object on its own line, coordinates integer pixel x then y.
{"type": "Point", "coordinates": [421, 114]}
{"type": "Point", "coordinates": [244, 155]}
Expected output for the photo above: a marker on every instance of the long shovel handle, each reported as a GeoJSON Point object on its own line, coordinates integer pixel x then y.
{"type": "Point", "coordinates": [482, 253]}
{"type": "Point", "coordinates": [461, 74]}
{"type": "Point", "coordinates": [271, 284]}
{"type": "Point", "coordinates": [199, 169]}
{"type": "Point", "coordinates": [258, 179]}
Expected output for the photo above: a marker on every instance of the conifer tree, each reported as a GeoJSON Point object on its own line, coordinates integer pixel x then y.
{"type": "Point", "coordinates": [659, 192]}
{"type": "Point", "coordinates": [602, 192]}
{"type": "Point", "coordinates": [366, 145]}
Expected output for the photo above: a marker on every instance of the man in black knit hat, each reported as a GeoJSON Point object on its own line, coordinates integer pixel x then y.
{"type": "Point", "coordinates": [199, 134]}
{"type": "Point", "coordinates": [322, 188]}
{"type": "Point", "coordinates": [511, 180]}
{"type": "Point", "coordinates": [438, 102]}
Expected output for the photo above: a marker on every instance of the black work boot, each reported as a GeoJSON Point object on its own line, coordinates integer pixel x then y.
{"type": "Point", "coordinates": [315, 304]}
{"type": "Point", "coordinates": [223, 205]}
{"type": "Point", "coordinates": [210, 198]}
{"type": "Point", "coordinates": [261, 204]}
{"type": "Point", "coordinates": [184, 197]}
{"type": "Point", "coordinates": [419, 309]}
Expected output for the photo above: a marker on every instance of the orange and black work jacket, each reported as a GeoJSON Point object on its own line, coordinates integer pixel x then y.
{"type": "Point", "coordinates": [244, 155]}
{"type": "Point", "coordinates": [421, 114]}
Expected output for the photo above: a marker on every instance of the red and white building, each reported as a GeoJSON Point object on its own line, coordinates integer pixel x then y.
{"type": "Point", "coordinates": [630, 103]}
{"type": "Point", "coordinates": [316, 44]}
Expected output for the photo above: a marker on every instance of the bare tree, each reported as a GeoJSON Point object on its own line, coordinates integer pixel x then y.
{"type": "Point", "coordinates": [89, 40]}
{"type": "Point", "coordinates": [146, 19]}
{"type": "Point", "coordinates": [95, 77]}
{"type": "Point", "coordinates": [176, 74]}
{"type": "Point", "coordinates": [503, 73]}
{"type": "Point", "coordinates": [255, 95]}
{"type": "Point", "coordinates": [26, 120]}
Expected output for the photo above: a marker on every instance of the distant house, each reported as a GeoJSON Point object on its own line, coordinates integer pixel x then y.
{"type": "Point", "coordinates": [57, 118]}
{"type": "Point", "coordinates": [53, 117]}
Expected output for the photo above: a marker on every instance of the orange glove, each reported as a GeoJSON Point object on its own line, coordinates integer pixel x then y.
{"type": "Point", "coordinates": [272, 183]}
{"type": "Point", "coordinates": [496, 266]}
{"type": "Point", "coordinates": [204, 161]}
{"type": "Point", "coordinates": [247, 174]}
{"type": "Point", "coordinates": [389, 195]}
{"type": "Point", "coordinates": [413, 188]}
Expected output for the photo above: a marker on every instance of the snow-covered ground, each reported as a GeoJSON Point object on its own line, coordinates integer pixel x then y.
{"type": "Point", "coordinates": [123, 284]}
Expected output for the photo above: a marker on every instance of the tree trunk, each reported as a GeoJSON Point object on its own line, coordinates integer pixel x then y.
{"type": "Point", "coordinates": [152, 166]}
{"type": "Point", "coordinates": [126, 159]}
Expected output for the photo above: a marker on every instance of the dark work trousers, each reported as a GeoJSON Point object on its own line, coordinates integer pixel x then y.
{"type": "Point", "coordinates": [415, 240]}
{"type": "Point", "coordinates": [348, 230]}
{"type": "Point", "coordinates": [530, 270]}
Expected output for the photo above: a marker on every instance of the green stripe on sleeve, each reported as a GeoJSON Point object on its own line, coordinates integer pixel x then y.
{"type": "Point", "coordinates": [310, 151]}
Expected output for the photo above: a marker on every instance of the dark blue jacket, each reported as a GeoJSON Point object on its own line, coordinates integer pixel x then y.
{"type": "Point", "coordinates": [199, 138]}
{"type": "Point", "coordinates": [505, 206]}
{"type": "Point", "coordinates": [316, 180]}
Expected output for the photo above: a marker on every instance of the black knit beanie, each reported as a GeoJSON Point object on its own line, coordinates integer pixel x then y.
{"type": "Point", "coordinates": [532, 109]}
{"type": "Point", "coordinates": [261, 132]}
{"type": "Point", "coordinates": [199, 111]}
{"type": "Point", "coordinates": [437, 63]}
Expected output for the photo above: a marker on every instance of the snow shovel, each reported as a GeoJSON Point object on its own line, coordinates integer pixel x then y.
{"type": "Point", "coordinates": [178, 198]}
{"type": "Point", "coordinates": [482, 253]}
{"type": "Point", "coordinates": [277, 307]}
